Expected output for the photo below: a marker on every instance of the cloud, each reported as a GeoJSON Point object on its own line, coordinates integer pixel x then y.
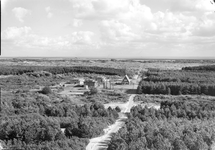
{"type": "Point", "coordinates": [48, 10]}
{"type": "Point", "coordinates": [167, 27]}
{"type": "Point", "coordinates": [25, 37]}
{"type": "Point", "coordinates": [50, 15]}
{"type": "Point", "coordinates": [14, 32]}
{"type": "Point", "coordinates": [138, 23]}
{"type": "Point", "coordinates": [82, 7]}
{"type": "Point", "coordinates": [77, 22]}
{"type": "Point", "coordinates": [98, 9]}
{"type": "Point", "coordinates": [20, 13]}
{"type": "Point", "coordinates": [188, 6]}
{"type": "Point", "coordinates": [206, 26]}
{"type": "Point", "coordinates": [131, 24]}
{"type": "Point", "coordinates": [81, 37]}
{"type": "Point", "coordinates": [191, 5]}
{"type": "Point", "coordinates": [114, 30]}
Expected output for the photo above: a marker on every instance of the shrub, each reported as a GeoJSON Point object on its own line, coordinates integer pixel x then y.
{"type": "Point", "coordinates": [46, 90]}
{"type": "Point", "coordinates": [117, 109]}
{"type": "Point", "coordinates": [93, 91]}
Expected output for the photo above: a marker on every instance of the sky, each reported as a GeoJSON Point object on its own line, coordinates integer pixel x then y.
{"type": "Point", "coordinates": [108, 28]}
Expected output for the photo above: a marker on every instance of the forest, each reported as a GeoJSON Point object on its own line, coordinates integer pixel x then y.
{"type": "Point", "coordinates": [177, 125]}
{"type": "Point", "coordinates": [177, 82]}
{"type": "Point", "coordinates": [203, 68]}
{"type": "Point", "coordinates": [19, 70]}
{"type": "Point", "coordinates": [37, 120]}
{"type": "Point", "coordinates": [34, 121]}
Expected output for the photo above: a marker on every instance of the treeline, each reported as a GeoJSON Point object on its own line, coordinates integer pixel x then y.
{"type": "Point", "coordinates": [178, 125]}
{"type": "Point", "coordinates": [19, 70]}
{"type": "Point", "coordinates": [176, 109]}
{"type": "Point", "coordinates": [31, 121]}
{"type": "Point", "coordinates": [177, 82]}
{"type": "Point", "coordinates": [180, 76]}
{"type": "Point", "coordinates": [86, 69]}
{"type": "Point", "coordinates": [175, 88]}
{"type": "Point", "coordinates": [204, 68]}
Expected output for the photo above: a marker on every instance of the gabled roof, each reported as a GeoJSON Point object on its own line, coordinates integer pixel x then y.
{"type": "Point", "coordinates": [126, 78]}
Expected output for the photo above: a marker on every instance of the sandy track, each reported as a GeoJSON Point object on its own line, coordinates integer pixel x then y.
{"type": "Point", "coordinates": [102, 141]}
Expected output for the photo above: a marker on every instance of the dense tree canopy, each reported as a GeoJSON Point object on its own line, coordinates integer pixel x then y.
{"type": "Point", "coordinates": [204, 68]}
{"type": "Point", "coordinates": [18, 70]}
{"type": "Point", "coordinates": [178, 125]}
{"type": "Point", "coordinates": [34, 121]}
{"type": "Point", "coordinates": [178, 82]}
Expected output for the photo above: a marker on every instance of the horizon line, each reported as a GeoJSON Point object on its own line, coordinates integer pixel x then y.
{"type": "Point", "coordinates": [136, 58]}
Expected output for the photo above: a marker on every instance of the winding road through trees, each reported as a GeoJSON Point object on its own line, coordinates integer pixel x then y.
{"type": "Point", "coordinates": [101, 142]}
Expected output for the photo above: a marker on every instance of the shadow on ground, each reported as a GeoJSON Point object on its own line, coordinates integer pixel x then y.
{"type": "Point", "coordinates": [131, 91]}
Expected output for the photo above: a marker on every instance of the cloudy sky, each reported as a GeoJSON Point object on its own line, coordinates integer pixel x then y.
{"type": "Point", "coordinates": [108, 28]}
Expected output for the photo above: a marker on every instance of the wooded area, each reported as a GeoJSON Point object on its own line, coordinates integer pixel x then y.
{"type": "Point", "coordinates": [177, 125]}
{"type": "Point", "coordinates": [34, 121]}
{"type": "Point", "coordinates": [44, 120]}
{"type": "Point", "coordinates": [177, 82]}
{"type": "Point", "coordinates": [19, 70]}
{"type": "Point", "coordinates": [205, 68]}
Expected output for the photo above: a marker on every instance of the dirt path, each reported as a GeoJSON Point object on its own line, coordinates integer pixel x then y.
{"type": "Point", "coordinates": [1, 147]}
{"type": "Point", "coordinates": [102, 141]}
{"type": "Point", "coordinates": [5, 76]}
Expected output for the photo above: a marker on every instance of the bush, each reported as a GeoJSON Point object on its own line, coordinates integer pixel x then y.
{"type": "Point", "coordinates": [93, 91]}
{"type": "Point", "coordinates": [117, 109]}
{"type": "Point", "coordinates": [46, 90]}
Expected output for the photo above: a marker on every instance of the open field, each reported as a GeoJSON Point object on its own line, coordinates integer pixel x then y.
{"type": "Point", "coordinates": [133, 65]}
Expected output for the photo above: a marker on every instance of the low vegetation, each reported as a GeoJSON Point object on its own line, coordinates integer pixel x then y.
{"type": "Point", "coordinates": [106, 97]}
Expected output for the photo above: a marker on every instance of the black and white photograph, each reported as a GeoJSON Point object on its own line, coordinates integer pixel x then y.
{"type": "Point", "coordinates": [107, 75]}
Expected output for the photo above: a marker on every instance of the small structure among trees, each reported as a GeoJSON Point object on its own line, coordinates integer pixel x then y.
{"type": "Point", "coordinates": [77, 81]}
{"type": "Point", "coordinates": [107, 84]}
{"type": "Point", "coordinates": [126, 80]}
{"type": "Point", "coordinates": [90, 83]}
{"type": "Point", "coordinates": [100, 79]}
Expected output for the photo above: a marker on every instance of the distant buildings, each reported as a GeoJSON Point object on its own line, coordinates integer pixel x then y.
{"type": "Point", "coordinates": [107, 84]}
{"type": "Point", "coordinates": [126, 80]}
{"type": "Point", "coordinates": [100, 79]}
{"type": "Point", "coordinates": [77, 81]}
{"type": "Point", "coordinates": [90, 83]}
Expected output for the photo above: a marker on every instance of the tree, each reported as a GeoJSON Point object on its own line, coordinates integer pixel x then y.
{"type": "Point", "coordinates": [168, 91]}
{"type": "Point", "coordinates": [117, 109]}
{"type": "Point", "coordinates": [93, 91]}
{"type": "Point", "coordinates": [72, 130]}
{"type": "Point", "coordinates": [179, 145]}
{"type": "Point", "coordinates": [173, 110]}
